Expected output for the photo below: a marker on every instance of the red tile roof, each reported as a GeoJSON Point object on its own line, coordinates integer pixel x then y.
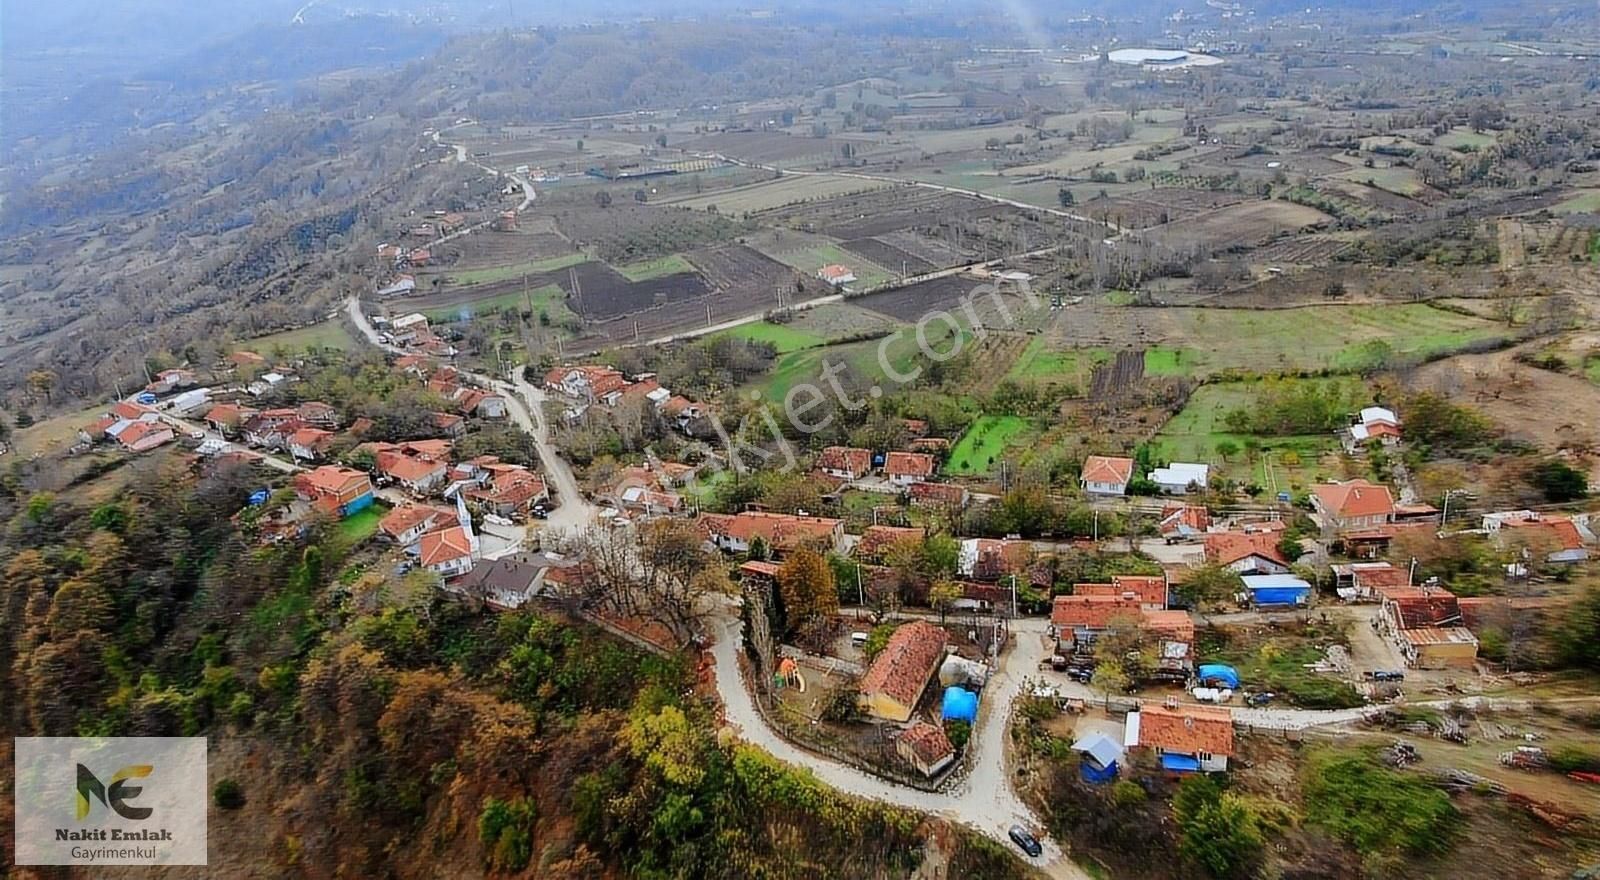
{"type": "Point", "coordinates": [928, 742]}
{"type": "Point", "coordinates": [1226, 548]}
{"type": "Point", "coordinates": [1090, 612]}
{"type": "Point", "coordinates": [1106, 469]}
{"type": "Point", "coordinates": [757, 568]}
{"type": "Point", "coordinates": [1560, 530]}
{"type": "Point", "coordinates": [407, 517]}
{"type": "Point", "coordinates": [1423, 606]}
{"type": "Point", "coordinates": [906, 663]}
{"type": "Point", "coordinates": [331, 480]}
{"type": "Point", "coordinates": [1192, 515]}
{"type": "Point", "coordinates": [1186, 730]}
{"type": "Point", "coordinates": [938, 493]}
{"type": "Point", "coordinates": [779, 530]}
{"type": "Point", "coordinates": [1355, 498]}
{"type": "Point", "coordinates": [908, 464]}
{"type": "Point", "coordinates": [407, 469]}
{"type": "Point", "coordinates": [229, 413]}
{"type": "Point", "coordinates": [444, 545]}
{"type": "Point", "coordinates": [845, 458]}
{"type": "Point", "coordinates": [1177, 626]}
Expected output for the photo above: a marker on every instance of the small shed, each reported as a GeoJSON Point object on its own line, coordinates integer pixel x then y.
{"type": "Point", "coordinates": [1101, 755]}
{"type": "Point", "coordinates": [1216, 674]}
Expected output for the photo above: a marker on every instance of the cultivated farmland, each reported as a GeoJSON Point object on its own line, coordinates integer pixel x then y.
{"type": "Point", "coordinates": [983, 443]}
{"type": "Point", "coordinates": [1241, 226]}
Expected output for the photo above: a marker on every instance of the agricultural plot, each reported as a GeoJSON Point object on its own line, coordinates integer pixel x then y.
{"type": "Point", "coordinates": [1154, 207]}
{"type": "Point", "coordinates": [880, 212]}
{"type": "Point", "coordinates": [985, 442]}
{"type": "Point", "coordinates": [776, 193]}
{"type": "Point", "coordinates": [1305, 250]}
{"type": "Point", "coordinates": [628, 232]}
{"type": "Point", "coordinates": [882, 253]}
{"type": "Point", "coordinates": [1240, 226]}
{"type": "Point", "coordinates": [1121, 375]}
{"type": "Point", "coordinates": [766, 147]}
{"type": "Point", "coordinates": [863, 362]}
{"type": "Point", "coordinates": [1290, 463]}
{"type": "Point", "coordinates": [937, 253]}
{"type": "Point", "coordinates": [1397, 180]}
{"type": "Point", "coordinates": [911, 303]}
{"type": "Point", "coordinates": [548, 299]}
{"type": "Point", "coordinates": [672, 264]}
{"type": "Point", "coordinates": [511, 271]}
{"type": "Point", "coordinates": [783, 338]}
{"type": "Point", "coordinates": [1043, 365]}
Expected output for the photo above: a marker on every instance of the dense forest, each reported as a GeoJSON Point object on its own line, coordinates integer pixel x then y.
{"type": "Point", "coordinates": [362, 723]}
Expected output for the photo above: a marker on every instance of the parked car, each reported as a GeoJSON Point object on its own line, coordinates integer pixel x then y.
{"type": "Point", "coordinates": [1025, 841]}
{"type": "Point", "coordinates": [1259, 699]}
{"type": "Point", "coordinates": [1386, 675]}
{"type": "Point", "coordinates": [1081, 674]}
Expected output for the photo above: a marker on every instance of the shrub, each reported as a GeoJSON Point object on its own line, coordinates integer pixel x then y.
{"type": "Point", "coordinates": [959, 732]}
{"type": "Point", "coordinates": [1378, 810]}
{"type": "Point", "coordinates": [1220, 831]}
{"type": "Point", "coordinates": [1575, 759]}
{"type": "Point", "coordinates": [506, 830]}
{"type": "Point", "coordinates": [227, 794]}
{"type": "Point", "coordinates": [1127, 793]}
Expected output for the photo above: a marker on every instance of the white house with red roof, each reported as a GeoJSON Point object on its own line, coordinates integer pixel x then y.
{"type": "Point", "coordinates": [845, 462]}
{"type": "Point", "coordinates": [1106, 475]}
{"type": "Point", "coordinates": [905, 468]}
{"type": "Point", "coordinates": [1353, 504]}
{"type": "Point", "coordinates": [446, 551]}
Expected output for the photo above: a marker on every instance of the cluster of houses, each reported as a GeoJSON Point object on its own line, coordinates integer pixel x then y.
{"type": "Point", "coordinates": [1112, 475]}
{"type": "Point", "coordinates": [413, 333]}
{"type": "Point", "coordinates": [593, 385]}
{"type": "Point", "coordinates": [1137, 602]}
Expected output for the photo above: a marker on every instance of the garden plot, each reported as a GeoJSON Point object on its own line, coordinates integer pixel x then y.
{"type": "Point", "coordinates": [776, 193]}
{"type": "Point", "coordinates": [767, 147]}
{"type": "Point", "coordinates": [1310, 250]}
{"type": "Point", "coordinates": [888, 256]}
{"type": "Point", "coordinates": [1154, 207]}
{"type": "Point", "coordinates": [627, 232]}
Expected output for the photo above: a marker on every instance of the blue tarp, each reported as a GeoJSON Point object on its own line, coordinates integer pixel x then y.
{"type": "Point", "coordinates": [357, 505]}
{"type": "Point", "coordinates": [960, 704]}
{"type": "Point", "coordinates": [1219, 674]}
{"type": "Point", "coordinates": [1096, 775]}
{"type": "Point", "coordinates": [1281, 596]}
{"type": "Point", "coordinates": [1179, 763]}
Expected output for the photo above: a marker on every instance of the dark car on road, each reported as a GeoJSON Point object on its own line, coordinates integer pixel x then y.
{"type": "Point", "coordinates": [1027, 842]}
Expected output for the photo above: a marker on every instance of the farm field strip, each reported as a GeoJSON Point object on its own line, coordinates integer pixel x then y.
{"type": "Point", "coordinates": [327, 334]}
{"type": "Point", "coordinates": [514, 271]}
{"type": "Point", "coordinates": [778, 192]}
{"type": "Point", "coordinates": [1194, 433]}
{"type": "Point", "coordinates": [985, 439]}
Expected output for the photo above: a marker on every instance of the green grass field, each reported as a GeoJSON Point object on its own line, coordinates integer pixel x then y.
{"type": "Point", "coordinates": [785, 339]}
{"type": "Point", "coordinates": [1160, 361]}
{"type": "Point", "coordinates": [492, 274]}
{"type": "Point", "coordinates": [550, 298]}
{"type": "Point", "coordinates": [1591, 368]}
{"type": "Point", "coordinates": [862, 361]}
{"type": "Point", "coordinates": [1284, 463]}
{"type": "Point", "coordinates": [1318, 337]}
{"type": "Point", "coordinates": [328, 334]}
{"type": "Point", "coordinates": [362, 525]}
{"type": "Point", "coordinates": [671, 264]}
{"type": "Point", "coordinates": [983, 442]}
{"type": "Point", "coordinates": [1039, 363]}
{"type": "Point", "coordinates": [1400, 181]}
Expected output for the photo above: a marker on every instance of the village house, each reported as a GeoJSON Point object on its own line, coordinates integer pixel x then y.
{"type": "Point", "coordinates": [318, 415]}
{"type": "Point", "coordinates": [894, 683]}
{"type": "Point", "coordinates": [1374, 423]}
{"type": "Point", "coordinates": [168, 381]}
{"type": "Point", "coordinates": [447, 551]}
{"type": "Point", "coordinates": [406, 524]}
{"type": "Point", "coordinates": [309, 444]}
{"type": "Point", "coordinates": [510, 491]}
{"type": "Point", "coordinates": [480, 403]}
{"type": "Point", "coordinates": [132, 426]}
{"type": "Point", "coordinates": [1353, 504]}
{"type": "Point", "coordinates": [845, 462]}
{"type": "Point", "coordinates": [408, 328]}
{"type": "Point", "coordinates": [1360, 581]}
{"type": "Point", "coordinates": [417, 475]}
{"type": "Point", "coordinates": [269, 429]}
{"type": "Point", "coordinates": [645, 491]}
{"type": "Point", "coordinates": [1186, 739]}
{"type": "Point", "coordinates": [1106, 475]}
{"type": "Point", "coordinates": [1427, 626]}
{"type": "Point", "coordinates": [227, 418]}
{"type": "Point", "coordinates": [1078, 621]}
{"type": "Point", "coordinates": [335, 490]}
{"type": "Point", "coordinates": [452, 425]}
{"type": "Point", "coordinates": [1184, 522]}
{"type": "Point", "coordinates": [1561, 538]}
{"type": "Point", "coordinates": [905, 468]}
{"type": "Point", "coordinates": [591, 384]}
{"type": "Point", "coordinates": [1149, 590]}
{"type": "Point", "coordinates": [1246, 553]}
{"type": "Point", "coordinates": [836, 275]}
{"type": "Point", "coordinates": [989, 559]}
{"type": "Point", "coordinates": [947, 496]}
{"type": "Point", "coordinates": [780, 532]}
{"type": "Point", "coordinates": [1180, 478]}
{"type": "Point", "coordinates": [925, 747]}
{"type": "Point", "coordinates": [504, 584]}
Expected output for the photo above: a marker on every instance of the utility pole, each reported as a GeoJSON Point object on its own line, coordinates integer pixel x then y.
{"type": "Point", "coordinates": [1013, 594]}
